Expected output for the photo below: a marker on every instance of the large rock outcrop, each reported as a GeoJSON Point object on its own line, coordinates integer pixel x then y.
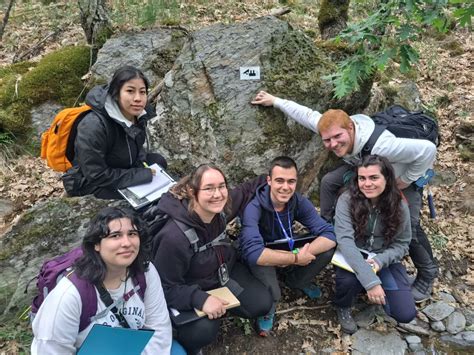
{"type": "Point", "coordinates": [204, 111]}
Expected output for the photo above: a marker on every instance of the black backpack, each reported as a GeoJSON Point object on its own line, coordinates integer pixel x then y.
{"type": "Point", "coordinates": [403, 124]}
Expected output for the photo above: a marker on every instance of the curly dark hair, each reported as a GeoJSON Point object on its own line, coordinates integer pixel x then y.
{"type": "Point", "coordinates": [388, 203]}
{"type": "Point", "coordinates": [90, 266]}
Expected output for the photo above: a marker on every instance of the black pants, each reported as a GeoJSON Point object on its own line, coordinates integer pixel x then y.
{"type": "Point", "coordinates": [111, 194]}
{"type": "Point", "coordinates": [255, 300]}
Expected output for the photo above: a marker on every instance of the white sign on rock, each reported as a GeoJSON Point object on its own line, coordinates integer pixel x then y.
{"type": "Point", "coordinates": [249, 73]}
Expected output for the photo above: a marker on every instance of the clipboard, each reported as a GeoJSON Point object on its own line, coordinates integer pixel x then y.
{"type": "Point", "coordinates": [142, 195]}
{"type": "Point", "coordinates": [282, 244]}
{"type": "Point", "coordinates": [107, 340]}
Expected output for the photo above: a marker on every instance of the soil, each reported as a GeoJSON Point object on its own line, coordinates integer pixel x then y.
{"type": "Point", "coordinates": [445, 78]}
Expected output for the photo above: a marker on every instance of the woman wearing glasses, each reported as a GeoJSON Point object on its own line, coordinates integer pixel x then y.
{"type": "Point", "coordinates": [202, 202]}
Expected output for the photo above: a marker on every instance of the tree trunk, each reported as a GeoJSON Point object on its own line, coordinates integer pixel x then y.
{"type": "Point", "coordinates": [5, 18]}
{"type": "Point", "coordinates": [332, 18]}
{"type": "Point", "coordinates": [96, 23]}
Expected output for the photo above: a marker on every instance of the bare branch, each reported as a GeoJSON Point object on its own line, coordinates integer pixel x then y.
{"type": "Point", "coordinates": [5, 18]}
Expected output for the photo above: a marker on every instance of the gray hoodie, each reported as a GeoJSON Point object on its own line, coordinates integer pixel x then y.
{"type": "Point", "coordinates": [386, 255]}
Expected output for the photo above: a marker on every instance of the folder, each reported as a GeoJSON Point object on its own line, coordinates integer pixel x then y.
{"type": "Point", "coordinates": [282, 244]}
{"type": "Point", "coordinates": [107, 340]}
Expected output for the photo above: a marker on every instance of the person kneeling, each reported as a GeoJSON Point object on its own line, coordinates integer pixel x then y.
{"type": "Point", "coordinates": [269, 217]}
{"type": "Point", "coordinates": [373, 216]}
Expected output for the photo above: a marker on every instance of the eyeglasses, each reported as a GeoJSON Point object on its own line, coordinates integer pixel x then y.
{"type": "Point", "coordinates": [211, 190]}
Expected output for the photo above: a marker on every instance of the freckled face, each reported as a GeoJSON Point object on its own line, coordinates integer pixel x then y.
{"type": "Point", "coordinates": [338, 140]}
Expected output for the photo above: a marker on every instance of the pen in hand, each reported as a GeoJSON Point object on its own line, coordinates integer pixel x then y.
{"type": "Point", "coordinates": [153, 171]}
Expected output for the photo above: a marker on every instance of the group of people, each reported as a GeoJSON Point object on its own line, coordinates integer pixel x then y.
{"type": "Point", "coordinates": [370, 203]}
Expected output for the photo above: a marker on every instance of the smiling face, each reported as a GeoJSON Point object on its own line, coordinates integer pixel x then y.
{"type": "Point", "coordinates": [282, 184]}
{"type": "Point", "coordinates": [338, 140]}
{"type": "Point", "coordinates": [132, 98]}
{"type": "Point", "coordinates": [211, 196]}
{"type": "Point", "coordinates": [371, 181]}
{"type": "Point", "coordinates": [120, 247]}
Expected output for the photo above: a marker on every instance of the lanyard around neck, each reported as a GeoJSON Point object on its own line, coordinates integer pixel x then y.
{"type": "Point", "coordinates": [289, 238]}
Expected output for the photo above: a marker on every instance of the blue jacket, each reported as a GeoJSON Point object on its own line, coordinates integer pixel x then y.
{"type": "Point", "coordinates": [260, 223]}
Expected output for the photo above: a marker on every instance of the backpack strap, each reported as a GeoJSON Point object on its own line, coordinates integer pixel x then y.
{"type": "Point", "coordinates": [88, 299]}
{"type": "Point", "coordinates": [140, 280]}
{"type": "Point", "coordinates": [193, 238]}
{"type": "Point", "coordinates": [367, 149]}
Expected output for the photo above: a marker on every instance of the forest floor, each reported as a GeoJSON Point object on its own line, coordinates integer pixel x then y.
{"type": "Point", "coordinates": [444, 76]}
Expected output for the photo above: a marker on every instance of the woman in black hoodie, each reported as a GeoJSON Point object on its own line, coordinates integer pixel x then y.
{"type": "Point", "coordinates": [202, 202]}
{"type": "Point", "coordinates": [109, 152]}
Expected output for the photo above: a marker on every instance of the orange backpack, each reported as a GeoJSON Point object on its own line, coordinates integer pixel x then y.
{"type": "Point", "coordinates": [57, 143]}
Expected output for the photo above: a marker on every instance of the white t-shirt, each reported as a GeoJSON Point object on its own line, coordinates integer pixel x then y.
{"type": "Point", "coordinates": [56, 324]}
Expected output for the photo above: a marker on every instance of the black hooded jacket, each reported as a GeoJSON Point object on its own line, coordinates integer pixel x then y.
{"type": "Point", "coordinates": [108, 154]}
{"type": "Point", "coordinates": [186, 275]}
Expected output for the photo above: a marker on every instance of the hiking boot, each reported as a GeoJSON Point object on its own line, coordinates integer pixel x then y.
{"type": "Point", "coordinates": [420, 296]}
{"type": "Point", "coordinates": [265, 324]}
{"type": "Point", "coordinates": [344, 317]}
{"type": "Point", "coordinates": [312, 291]}
{"type": "Point", "coordinates": [422, 287]}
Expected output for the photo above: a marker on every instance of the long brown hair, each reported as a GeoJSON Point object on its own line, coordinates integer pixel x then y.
{"type": "Point", "coordinates": [388, 203]}
{"type": "Point", "coordinates": [188, 187]}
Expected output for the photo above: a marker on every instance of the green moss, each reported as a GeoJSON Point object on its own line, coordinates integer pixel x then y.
{"type": "Point", "coordinates": [57, 77]}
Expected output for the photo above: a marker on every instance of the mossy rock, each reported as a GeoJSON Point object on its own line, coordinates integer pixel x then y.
{"type": "Point", "coordinates": [57, 78]}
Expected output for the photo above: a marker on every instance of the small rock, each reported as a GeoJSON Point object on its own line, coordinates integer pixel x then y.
{"type": "Point", "coordinates": [413, 339]}
{"type": "Point", "coordinates": [438, 311]}
{"type": "Point", "coordinates": [446, 297]}
{"type": "Point", "coordinates": [463, 339]}
{"type": "Point", "coordinates": [421, 316]}
{"type": "Point", "coordinates": [419, 352]}
{"type": "Point", "coordinates": [370, 342]}
{"type": "Point", "coordinates": [438, 326]}
{"type": "Point", "coordinates": [415, 347]}
{"type": "Point", "coordinates": [455, 322]}
{"type": "Point", "coordinates": [415, 329]}
{"type": "Point", "coordinates": [469, 314]}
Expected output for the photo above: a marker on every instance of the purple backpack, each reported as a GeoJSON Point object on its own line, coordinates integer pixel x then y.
{"type": "Point", "coordinates": [61, 266]}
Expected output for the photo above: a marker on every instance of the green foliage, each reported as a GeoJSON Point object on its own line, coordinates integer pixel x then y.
{"type": "Point", "coordinates": [386, 35]}
{"type": "Point", "coordinates": [244, 324]}
{"type": "Point", "coordinates": [18, 332]}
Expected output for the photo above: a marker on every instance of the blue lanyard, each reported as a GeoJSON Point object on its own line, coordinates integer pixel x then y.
{"type": "Point", "coordinates": [289, 238]}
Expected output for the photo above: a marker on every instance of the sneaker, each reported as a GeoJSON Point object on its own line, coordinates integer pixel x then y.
{"type": "Point", "coordinates": [344, 317]}
{"type": "Point", "coordinates": [312, 291]}
{"type": "Point", "coordinates": [421, 288]}
{"type": "Point", "coordinates": [265, 324]}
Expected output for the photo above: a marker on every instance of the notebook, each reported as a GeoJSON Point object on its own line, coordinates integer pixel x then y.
{"type": "Point", "coordinates": [107, 340]}
{"type": "Point", "coordinates": [183, 317]}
